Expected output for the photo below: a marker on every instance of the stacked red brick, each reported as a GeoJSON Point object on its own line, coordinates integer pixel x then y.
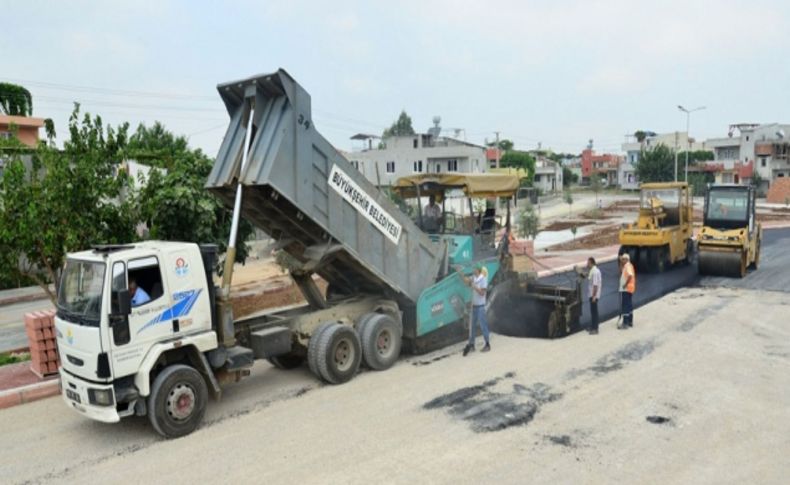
{"type": "Point", "coordinates": [40, 328]}
{"type": "Point", "coordinates": [779, 193]}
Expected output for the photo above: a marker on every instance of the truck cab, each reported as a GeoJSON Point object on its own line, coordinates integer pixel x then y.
{"type": "Point", "coordinates": [120, 309]}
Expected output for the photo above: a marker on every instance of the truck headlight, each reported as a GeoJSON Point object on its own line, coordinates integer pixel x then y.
{"type": "Point", "coordinates": [100, 397]}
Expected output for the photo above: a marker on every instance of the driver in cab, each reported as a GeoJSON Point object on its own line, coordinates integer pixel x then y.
{"type": "Point", "coordinates": [432, 214]}
{"type": "Point", "coordinates": [139, 296]}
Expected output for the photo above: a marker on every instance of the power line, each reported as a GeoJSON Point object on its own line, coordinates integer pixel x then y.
{"type": "Point", "coordinates": [109, 91]}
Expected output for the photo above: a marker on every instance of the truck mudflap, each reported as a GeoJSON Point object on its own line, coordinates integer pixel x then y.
{"type": "Point", "coordinates": [521, 307]}
{"type": "Point", "coordinates": [78, 395]}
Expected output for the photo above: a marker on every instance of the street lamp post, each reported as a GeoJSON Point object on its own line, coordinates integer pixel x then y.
{"type": "Point", "coordinates": [688, 139]}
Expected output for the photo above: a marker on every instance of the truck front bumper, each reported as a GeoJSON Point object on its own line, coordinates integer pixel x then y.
{"type": "Point", "coordinates": [77, 392]}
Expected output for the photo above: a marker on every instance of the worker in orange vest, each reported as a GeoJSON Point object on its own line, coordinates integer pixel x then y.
{"type": "Point", "coordinates": [627, 288]}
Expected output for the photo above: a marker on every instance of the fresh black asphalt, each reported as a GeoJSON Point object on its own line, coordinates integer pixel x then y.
{"type": "Point", "coordinates": [773, 275]}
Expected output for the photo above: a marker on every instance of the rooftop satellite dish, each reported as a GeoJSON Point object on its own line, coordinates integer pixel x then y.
{"type": "Point", "coordinates": [780, 133]}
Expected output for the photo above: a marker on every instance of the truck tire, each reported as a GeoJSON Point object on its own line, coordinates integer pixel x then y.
{"type": "Point", "coordinates": [339, 354]}
{"type": "Point", "coordinates": [287, 361]}
{"type": "Point", "coordinates": [178, 401]}
{"type": "Point", "coordinates": [381, 341]}
{"type": "Point", "coordinates": [312, 347]}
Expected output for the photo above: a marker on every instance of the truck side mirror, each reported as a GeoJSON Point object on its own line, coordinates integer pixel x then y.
{"type": "Point", "coordinates": [121, 302]}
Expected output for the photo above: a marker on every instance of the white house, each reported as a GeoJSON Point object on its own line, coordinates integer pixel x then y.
{"type": "Point", "coordinates": [384, 161]}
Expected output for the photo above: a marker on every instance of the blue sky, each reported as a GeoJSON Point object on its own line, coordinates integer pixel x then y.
{"type": "Point", "coordinates": [556, 72]}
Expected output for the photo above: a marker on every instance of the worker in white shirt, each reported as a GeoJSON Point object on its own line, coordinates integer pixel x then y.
{"type": "Point", "coordinates": [594, 284]}
{"type": "Point", "coordinates": [479, 288]}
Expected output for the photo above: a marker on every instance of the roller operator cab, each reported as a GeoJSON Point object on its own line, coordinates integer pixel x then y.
{"type": "Point", "coordinates": [662, 234]}
{"type": "Point", "coordinates": [730, 239]}
{"type": "Point", "coordinates": [123, 314]}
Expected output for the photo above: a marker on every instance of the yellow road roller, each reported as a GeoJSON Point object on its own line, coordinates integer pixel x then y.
{"type": "Point", "coordinates": [661, 236]}
{"type": "Point", "coordinates": [730, 239]}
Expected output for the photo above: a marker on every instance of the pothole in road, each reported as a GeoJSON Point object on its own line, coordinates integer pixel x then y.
{"type": "Point", "coordinates": [616, 360]}
{"type": "Point", "coordinates": [487, 410]}
{"type": "Point", "coordinates": [659, 420]}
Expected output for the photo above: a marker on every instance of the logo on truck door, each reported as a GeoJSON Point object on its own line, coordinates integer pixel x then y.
{"type": "Point", "coordinates": [364, 204]}
{"type": "Point", "coordinates": [182, 267]}
{"type": "Point", "coordinates": [184, 301]}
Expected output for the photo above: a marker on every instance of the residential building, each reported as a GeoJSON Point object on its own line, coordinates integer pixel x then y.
{"type": "Point", "coordinates": [548, 175]}
{"type": "Point", "coordinates": [398, 156]}
{"type": "Point", "coordinates": [26, 128]}
{"type": "Point", "coordinates": [678, 141]}
{"type": "Point", "coordinates": [764, 148]}
{"type": "Point", "coordinates": [604, 165]}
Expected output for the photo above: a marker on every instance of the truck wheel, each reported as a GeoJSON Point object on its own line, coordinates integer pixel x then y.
{"type": "Point", "coordinates": [177, 401]}
{"type": "Point", "coordinates": [287, 361]}
{"type": "Point", "coordinates": [381, 341]}
{"type": "Point", "coordinates": [312, 347]}
{"type": "Point", "coordinates": [339, 354]}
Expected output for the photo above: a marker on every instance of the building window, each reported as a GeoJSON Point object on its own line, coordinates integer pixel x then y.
{"type": "Point", "coordinates": [355, 164]}
{"type": "Point", "coordinates": [762, 161]}
{"type": "Point", "coordinates": [438, 167]}
{"type": "Point", "coordinates": [418, 166]}
{"type": "Point", "coordinates": [390, 167]}
{"type": "Point", "coordinates": [747, 137]}
{"type": "Point", "coordinates": [452, 165]}
{"type": "Point", "coordinates": [415, 143]}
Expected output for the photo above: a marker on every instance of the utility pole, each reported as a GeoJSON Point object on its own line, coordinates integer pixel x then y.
{"type": "Point", "coordinates": [688, 138]}
{"type": "Point", "coordinates": [497, 148]}
{"type": "Point", "coordinates": [676, 156]}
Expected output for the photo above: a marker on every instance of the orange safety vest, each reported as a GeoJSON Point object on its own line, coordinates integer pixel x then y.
{"type": "Point", "coordinates": [628, 270]}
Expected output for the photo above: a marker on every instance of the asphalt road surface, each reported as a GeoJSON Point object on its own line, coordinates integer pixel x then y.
{"type": "Point", "coordinates": [687, 396]}
{"type": "Point", "coordinates": [773, 274]}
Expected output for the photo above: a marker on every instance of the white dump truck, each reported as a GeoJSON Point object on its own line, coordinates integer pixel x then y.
{"type": "Point", "coordinates": [143, 330]}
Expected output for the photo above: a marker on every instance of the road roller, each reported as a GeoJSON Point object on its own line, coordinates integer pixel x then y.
{"type": "Point", "coordinates": [730, 239]}
{"type": "Point", "coordinates": [661, 235]}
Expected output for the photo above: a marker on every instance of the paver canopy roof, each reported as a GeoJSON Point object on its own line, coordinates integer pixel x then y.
{"type": "Point", "coordinates": [473, 184]}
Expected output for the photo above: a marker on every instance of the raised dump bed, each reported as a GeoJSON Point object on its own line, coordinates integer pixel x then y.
{"type": "Point", "coordinates": [308, 197]}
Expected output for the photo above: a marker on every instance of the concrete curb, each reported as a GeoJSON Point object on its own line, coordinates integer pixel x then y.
{"type": "Point", "coordinates": [29, 393]}
{"type": "Point", "coordinates": [23, 299]}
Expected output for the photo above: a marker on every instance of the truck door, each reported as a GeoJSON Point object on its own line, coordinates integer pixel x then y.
{"type": "Point", "coordinates": [148, 321]}
{"type": "Point", "coordinates": [183, 269]}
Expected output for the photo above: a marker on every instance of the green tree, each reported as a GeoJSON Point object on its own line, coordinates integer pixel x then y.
{"type": "Point", "coordinates": [521, 160]}
{"type": "Point", "coordinates": [596, 185]}
{"type": "Point", "coordinates": [699, 182]}
{"type": "Point", "coordinates": [505, 145]}
{"type": "Point", "coordinates": [173, 202]}
{"type": "Point", "coordinates": [656, 165]}
{"type": "Point", "coordinates": [640, 135]}
{"type": "Point", "coordinates": [529, 222]}
{"type": "Point", "coordinates": [568, 198]}
{"type": "Point", "coordinates": [64, 200]}
{"type": "Point", "coordinates": [156, 146]}
{"type": "Point", "coordinates": [15, 100]}
{"type": "Point", "coordinates": [695, 156]}
{"type": "Point", "coordinates": [401, 127]}
{"type": "Point", "coordinates": [568, 177]}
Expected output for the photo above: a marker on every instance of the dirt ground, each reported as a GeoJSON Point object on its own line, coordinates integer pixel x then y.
{"type": "Point", "coordinates": [563, 225]}
{"type": "Point", "coordinates": [605, 236]}
{"type": "Point", "coordinates": [697, 392]}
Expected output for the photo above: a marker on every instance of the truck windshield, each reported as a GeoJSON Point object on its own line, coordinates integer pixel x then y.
{"type": "Point", "coordinates": [728, 206]}
{"type": "Point", "coordinates": [80, 293]}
